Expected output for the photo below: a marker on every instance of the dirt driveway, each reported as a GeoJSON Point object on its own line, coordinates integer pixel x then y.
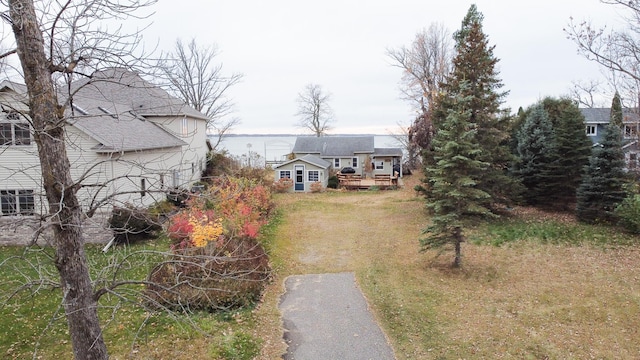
{"type": "Point", "coordinates": [342, 232]}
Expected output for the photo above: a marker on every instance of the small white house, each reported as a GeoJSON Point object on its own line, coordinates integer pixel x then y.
{"type": "Point", "coordinates": [354, 152]}
{"type": "Point", "coordinates": [304, 171]}
{"type": "Point", "coordinates": [128, 142]}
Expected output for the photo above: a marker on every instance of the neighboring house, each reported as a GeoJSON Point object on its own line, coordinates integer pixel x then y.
{"type": "Point", "coordinates": [596, 119]}
{"type": "Point", "coordinates": [304, 171]}
{"type": "Point", "coordinates": [128, 142]}
{"type": "Point", "coordinates": [340, 152]}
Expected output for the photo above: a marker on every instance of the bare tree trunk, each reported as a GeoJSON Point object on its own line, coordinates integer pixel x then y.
{"type": "Point", "coordinates": [65, 210]}
{"type": "Point", "coordinates": [458, 239]}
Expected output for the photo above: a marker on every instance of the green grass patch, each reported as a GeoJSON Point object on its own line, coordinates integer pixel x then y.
{"type": "Point", "coordinates": [505, 231]}
{"type": "Point", "coordinates": [32, 318]}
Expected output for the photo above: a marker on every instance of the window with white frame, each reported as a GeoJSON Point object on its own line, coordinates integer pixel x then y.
{"type": "Point", "coordinates": [630, 130]}
{"type": "Point", "coordinates": [285, 174]}
{"type": "Point", "coordinates": [185, 126]}
{"type": "Point", "coordinates": [379, 165]}
{"type": "Point", "coordinates": [14, 133]}
{"type": "Point", "coordinates": [354, 162]}
{"type": "Point", "coordinates": [336, 163]}
{"type": "Point", "coordinates": [592, 130]}
{"type": "Point", "coordinates": [17, 202]}
{"type": "Point", "coordinates": [143, 187]}
{"type": "Point", "coordinates": [313, 175]}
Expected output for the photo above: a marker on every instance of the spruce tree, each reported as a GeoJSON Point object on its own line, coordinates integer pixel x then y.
{"type": "Point", "coordinates": [454, 196]}
{"type": "Point", "coordinates": [536, 152]}
{"type": "Point", "coordinates": [616, 116]}
{"type": "Point", "coordinates": [475, 65]}
{"type": "Point", "coordinates": [602, 187]}
{"type": "Point", "coordinates": [572, 150]}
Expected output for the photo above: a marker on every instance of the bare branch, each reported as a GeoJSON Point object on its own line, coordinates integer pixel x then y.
{"type": "Point", "coordinates": [425, 64]}
{"type": "Point", "coordinates": [192, 74]}
{"type": "Point", "coordinates": [314, 111]}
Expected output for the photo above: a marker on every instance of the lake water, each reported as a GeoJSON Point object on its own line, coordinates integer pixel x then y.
{"type": "Point", "coordinates": [259, 148]}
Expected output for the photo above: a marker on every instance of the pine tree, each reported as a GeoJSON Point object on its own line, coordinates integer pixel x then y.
{"type": "Point", "coordinates": [573, 149]}
{"type": "Point", "coordinates": [616, 111]}
{"type": "Point", "coordinates": [536, 151]}
{"type": "Point", "coordinates": [602, 186]}
{"type": "Point", "coordinates": [475, 65]}
{"type": "Point", "coordinates": [454, 196]}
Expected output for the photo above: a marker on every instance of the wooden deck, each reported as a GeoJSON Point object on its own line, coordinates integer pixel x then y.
{"type": "Point", "coordinates": [356, 182]}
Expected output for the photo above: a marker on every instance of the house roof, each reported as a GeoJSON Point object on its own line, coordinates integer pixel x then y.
{"type": "Point", "coordinates": [130, 90]}
{"type": "Point", "coordinates": [602, 115]}
{"type": "Point", "coordinates": [388, 152]}
{"type": "Point", "coordinates": [309, 159]}
{"type": "Point", "coordinates": [111, 106]}
{"type": "Point", "coordinates": [334, 146]}
{"type": "Point", "coordinates": [124, 132]}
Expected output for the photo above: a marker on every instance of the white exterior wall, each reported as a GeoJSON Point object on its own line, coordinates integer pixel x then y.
{"type": "Point", "coordinates": [387, 165]}
{"type": "Point", "coordinates": [348, 162]}
{"type": "Point", "coordinates": [323, 174]}
{"type": "Point", "coordinates": [194, 155]}
{"type": "Point", "coordinates": [104, 174]}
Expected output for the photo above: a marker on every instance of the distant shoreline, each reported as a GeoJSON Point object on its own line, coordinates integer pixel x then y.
{"type": "Point", "coordinates": [267, 135]}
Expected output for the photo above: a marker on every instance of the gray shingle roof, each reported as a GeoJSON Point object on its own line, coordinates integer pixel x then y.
{"type": "Point", "coordinates": [310, 159]}
{"type": "Point", "coordinates": [333, 146]}
{"type": "Point", "coordinates": [388, 152]}
{"type": "Point", "coordinates": [127, 88]}
{"type": "Point", "coordinates": [126, 132]}
{"type": "Point", "coordinates": [112, 105]}
{"type": "Point", "coordinates": [602, 115]}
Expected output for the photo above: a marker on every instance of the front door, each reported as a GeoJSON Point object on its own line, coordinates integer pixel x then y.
{"type": "Point", "coordinates": [299, 180]}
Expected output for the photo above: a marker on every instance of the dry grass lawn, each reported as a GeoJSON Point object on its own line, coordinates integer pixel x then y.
{"type": "Point", "coordinates": [523, 300]}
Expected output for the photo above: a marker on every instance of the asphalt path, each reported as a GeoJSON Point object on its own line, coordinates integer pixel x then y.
{"type": "Point", "coordinates": [326, 317]}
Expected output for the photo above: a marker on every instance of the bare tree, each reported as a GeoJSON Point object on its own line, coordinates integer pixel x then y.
{"type": "Point", "coordinates": [616, 50]}
{"type": "Point", "coordinates": [585, 93]}
{"type": "Point", "coordinates": [56, 43]}
{"type": "Point", "coordinates": [195, 77]}
{"type": "Point", "coordinates": [425, 64]}
{"type": "Point", "coordinates": [314, 110]}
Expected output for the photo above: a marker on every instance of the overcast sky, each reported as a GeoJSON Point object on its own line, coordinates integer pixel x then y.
{"type": "Point", "coordinates": [282, 45]}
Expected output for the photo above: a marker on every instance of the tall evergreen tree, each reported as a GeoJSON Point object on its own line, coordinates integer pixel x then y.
{"type": "Point", "coordinates": [536, 151]}
{"type": "Point", "coordinates": [616, 116]}
{"type": "Point", "coordinates": [454, 196]}
{"type": "Point", "coordinates": [602, 186]}
{"type": "Point", "coordinates": [475, 66]}
{"type": "Point", "coordinates": [572, 150]}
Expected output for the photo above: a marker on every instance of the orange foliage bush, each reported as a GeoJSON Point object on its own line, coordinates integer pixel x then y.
{"type": "Point", "coordinates": [282, 185]}
{"type": "Point", "coordinates": [218, 261]}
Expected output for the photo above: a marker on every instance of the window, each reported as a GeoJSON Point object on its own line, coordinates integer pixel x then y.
{"type": "Point", "coordinates": [161, 181]}
{"type": "Point", "coordinates": [285, 174]}
{"type": "Point", "coordinates": [336, 163]}
{"type": "Point", "coordinates": [313, 175]}
{"type": "Point", "coordinates": [193, 168]}
{"type": "Point", "coordinates": [176, 178]}
{"type": "Point", "coordinates": [354, 162]}
{"type": "Point", "coordinates": [630, 131]}
{"type": "Point", "coordinates": [591, 130]}
{"type": "Point", "coordinates": [185, 126]}
{"type": "Point", "coordinates": [143, 187]}
{"type": "Point", "coordinates": [14, 134]}
{"type": "Point", "coordinates": [17, 202]}
{"type": "Point", "coordinates": [379, 165]}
